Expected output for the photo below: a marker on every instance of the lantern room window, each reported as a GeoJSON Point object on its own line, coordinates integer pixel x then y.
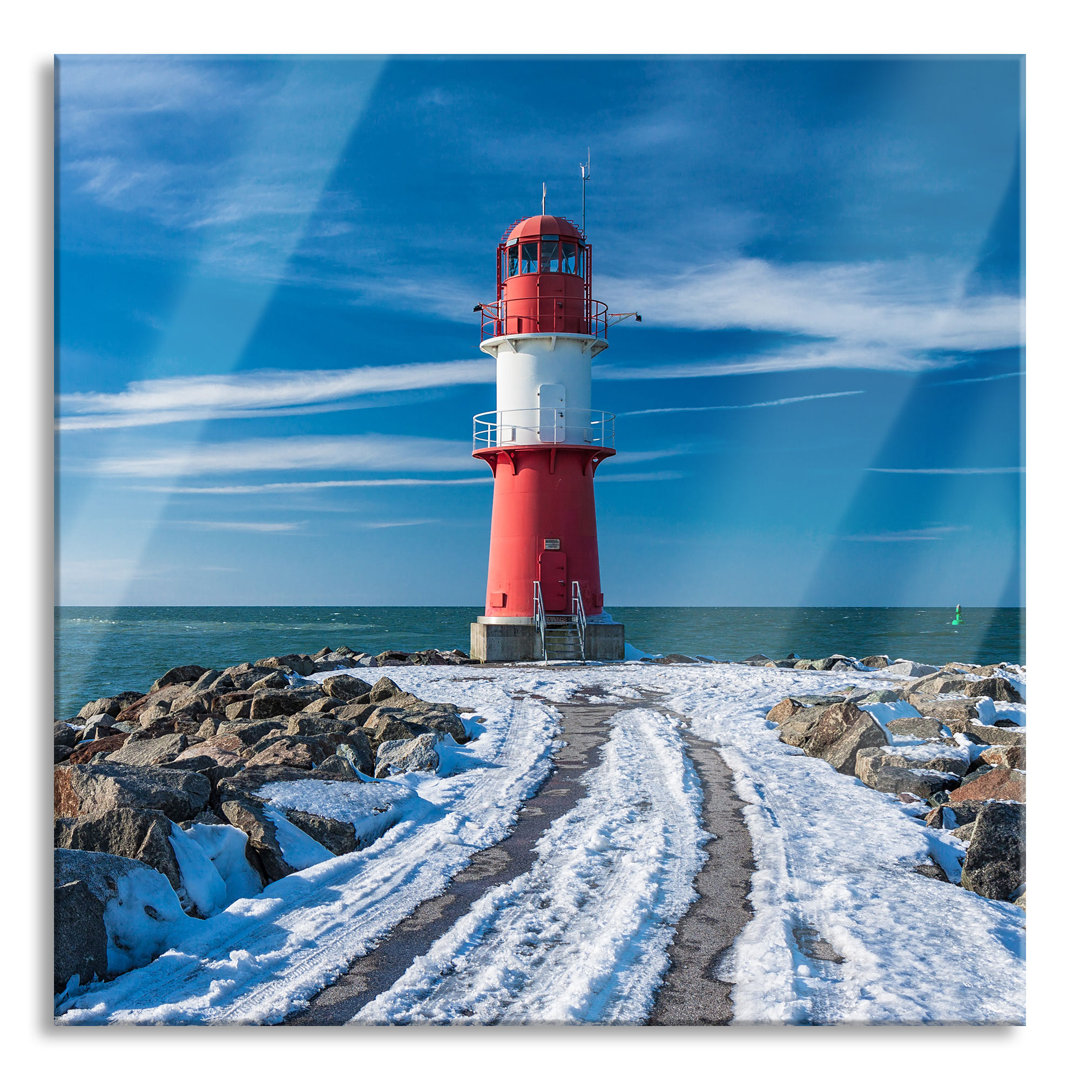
{"type": "Point", "coordinates": [512, 261]}
{"type": "Point", "coordinates": [528, 258]}
{"type": "Point", "coordinates": [569, 257]}
{"type": "Point", "coordinates": [549, 255]}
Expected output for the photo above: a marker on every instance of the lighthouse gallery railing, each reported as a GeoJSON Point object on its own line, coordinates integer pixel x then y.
{"type": "Point", "coordinates": [533, 427]}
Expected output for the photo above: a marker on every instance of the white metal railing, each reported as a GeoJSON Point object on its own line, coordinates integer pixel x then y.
{"type": "Point", "coordinates": [539, 619]}
{"type": "Point", "coordinates": [532, 427]}
{"type": "Point", "coordinates": [578, 607]}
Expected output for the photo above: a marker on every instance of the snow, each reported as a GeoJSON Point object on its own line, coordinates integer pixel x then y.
{"type": "Point", "coordinates": [581, 936]}
{"type": "Point", "coordinates": [140, 919]}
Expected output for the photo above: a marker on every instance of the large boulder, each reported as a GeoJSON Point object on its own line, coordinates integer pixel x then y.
{"type": "Point", "coordinates": [294, 751]}
{"type": "Point", "coordinates": [995, 863]}
{"type": "Point", "coordinates": [918, 727]}
{"type": "Point", "coordinates": [345, 687]}
{"type": "Point", "coordinates": [108, 706]}
{"type": "Point", "coordinates": [87, 751]}
{"type": "Point", "coordinates": [954, 815]}
{"type": "Point", "coordinates": [892, 773]}
{"type": "Point", "coordinates": [413, 755]}
{"type": "Point", "coordinates": [908, 667]}
{"type": "Point", "coordinates": [988, 733]}
{"type": "Point", "coordinates": [384, 687]}
{"type": "Point", "coordinates": [185, 675]}
{"type": "Point", "coordinates": [878, 661]}
{"type": "Point", "coordinates": [269, 703]}
{"type": "Point", "coordinates": [92, 789]}
{"type": "Point", "coordinates": [297, 662]}
{"type": "Point", "coordinates": [138, 751]}
{"type": "Point", "coordinates": [322, 706]}
{"type": "Point", "coordinates": [940, 683]}
{"type": "Point", "coordinates": [390, 728]}
{"type": "Point", "coordinates": [134, 834]}
{"type": "Point", "coordinates": [840, 733]}
{"type": "Point", "coordinates": [136, 906]}
{"type": "Point", "coordinates": [997, 688]}
{"type": "Point", "coordinates": [80, 943]}
{"type": "Point", "coordinates": [1012, 757]}
{"type": "Point", "coordinates": [1006, 785]}
{"type": "Point", "coordinates": [945, 709]}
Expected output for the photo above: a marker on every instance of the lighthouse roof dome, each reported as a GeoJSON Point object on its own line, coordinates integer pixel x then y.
{"type": "Point", "coordinates": [543, 225]}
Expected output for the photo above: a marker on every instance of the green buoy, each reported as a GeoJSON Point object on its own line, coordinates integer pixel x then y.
{"type": "Point", "coordinates": [958, 619]}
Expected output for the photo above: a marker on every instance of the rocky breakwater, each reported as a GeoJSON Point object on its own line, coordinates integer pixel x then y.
{"type": "Point", "coordinates": [948, 744]}
{"type": "Point", "coordinates": [170, 805]}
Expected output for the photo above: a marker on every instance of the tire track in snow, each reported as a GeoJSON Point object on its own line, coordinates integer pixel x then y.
{"type": "Point", "coordinates": [582, 936]}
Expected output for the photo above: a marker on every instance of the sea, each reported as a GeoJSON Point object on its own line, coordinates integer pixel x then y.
{"type": "Point", "coordinates": [102, 651]}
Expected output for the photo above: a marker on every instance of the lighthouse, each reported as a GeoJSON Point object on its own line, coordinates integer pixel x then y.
{"type": "Point", "coordinates": [543, 443]}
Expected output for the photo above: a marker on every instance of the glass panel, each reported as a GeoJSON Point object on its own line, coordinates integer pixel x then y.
{"type": "Point", "coordinates": [528, 258]}
{"type": "Point", "coordinates": [512, 259]}
{"type": "Point", "coordinates": [569, 257]}
{"type": "Point", "coordinates": [549, 257]}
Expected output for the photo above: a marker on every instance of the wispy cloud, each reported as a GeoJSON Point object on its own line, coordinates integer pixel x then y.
{"type": "Point", "coordinates": [747, 405]}
{"type": "Point", "coordinates": [245, 526]}
{"type": "Point", "coordinates": [933, 532]}
{"type": "Point", "coordinates": [638, 477]}
{"type": "Point", "coordinates": [373, 453]}
{"type": "Point", "coordinates": [282, 486]}
{"type": "Point", "coordinates": [982, 378]}
{"type": "Point", "coordinates": [993, 470]}
{"type": "Point", "coordinates": [259, 393]}
{"type": "Point", "coordinates": [399, 524]}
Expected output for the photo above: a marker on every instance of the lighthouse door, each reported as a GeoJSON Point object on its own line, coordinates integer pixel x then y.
{"type": "Point", "coordinates": [551, 398]}
{"type": "Point", "coordinates": [553, 580]}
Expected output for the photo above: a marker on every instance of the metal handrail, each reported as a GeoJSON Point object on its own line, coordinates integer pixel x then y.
{"type": "Point", "coordinates": [578, 608]}
{"type": "Point", "coordinates": [530, 427]}
{"type": "Point", "coordinates": [546, 309]}
{"type": "Point", "coordinates": [539, 619]}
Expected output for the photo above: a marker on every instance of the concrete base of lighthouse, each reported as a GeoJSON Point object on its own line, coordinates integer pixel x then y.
{"type": "Point", "coordinates": [509, 642]}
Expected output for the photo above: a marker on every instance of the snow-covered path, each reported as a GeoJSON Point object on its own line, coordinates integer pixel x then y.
{"type": "Point", "coordinates": [581, 936]}
{"type": "Point", "coordinates": [843, 930]}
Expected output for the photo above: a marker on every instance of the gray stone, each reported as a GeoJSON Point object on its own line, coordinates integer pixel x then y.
{"type": "Point", "coordinates": [92, 789]}
{"type": "Point", "coordinates": [322, 706]}
{"type": "Point", "coordinates": [80, 942]}
{"type": "Point", "coordinates": [944, 709]}
{"type": "Point", "coordinates": [338, 837]}
{"type": "Point", "coordinates": [878, 697]}
{"type": "Point", "coordinates": [919, 727]}
{"type": "Point", "coordinates": [269, 703]}
{"type": "Point", "coordinates": [840, 733]}
{"type": "Point", "coordinates": [108, 706]}
{"type": "Point", "coordinates": [345, 687]}
{"type": "Point", "coordinates": [185, 675]}
{"type": "Point", "coordinates": [64, 734]}
{"type": "Point", "coordinates": [953, 816]}
{"type": "Point", "coordinates": [337, 767]}
{"type": "Point", "coordinates": [938, 684]}
{"type": "Point", "coordinates": [412, 755]}
{"type": "Point", "coordinates": [134, 834]}
{"type": "Point", "coordinates": [995, 865]}
{"type": "Point", "coordinates": [987, 733]}
{"type": "Point", "coordinates": [909, 667]}
{"type": "Point", "coordinates": [890, 773]}
{"type": "Point", "coordinates": [137, 751]}
{"type": "Point", "coordinates": [997, 688]}
{"type": "Point", "coordinates": [875, 661]}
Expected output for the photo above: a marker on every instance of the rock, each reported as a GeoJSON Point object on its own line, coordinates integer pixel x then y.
{"type": "Point", "coordinates": [186, 674]}
{"type": "Point", "coordinates": [196, 757]}
{"type": "Point", "coordinates": [358, 752]}
{"type": "Point", "coordinates": [134, 834]}
{"type": "Point", "coordinates": [676, 658]}
{"type": "Point", "coordinates": [875, 661]}
{"type": "Point", "coordinates": [946, 709]}
{"type": "Point", "coordinates": [879, 697]}
{"type": "Point", "coordinates": [804, 665]}
{"type": "Point", "coordinates": [783, 710]}
{"type": "Point", "coordinates": [153, 705]}
{"type": "Point", "coordinates": [149, 751]}
{"type": "Point", "coordinates": [249, 732]}
{"type": "Point", "coordinates": [1012, 757]}
{"type": "Point", "coordinates": [79, 939]}
{"type": "Point", "coordinates": [97, 729]}
{"type": "Point", "coordinates": [384, 688]}
{"type": "Point", "coordinates": [919, 727]}
{"type": "Point", "coordinates": [345, 687]}
{"type": "Point", "coordinates": [295, 751]}
{"type": "Point", "coordinates": [238, 709]}
{"type": "Point", "coordinates": [952, 816]}
{"type": "Point", "coordinates": [302, 665]}
{"type": "Point", "coordinates": [263, 850]}
{"type": "Point", "coordinates": [338, 837]}
{"type": "Point", "coordinates": [1003, 784]}
{"type": "Point", "coordinates": [86, 751]}
{"type": "Point", "coordinates": [337, 767]}
{"type": "Point", "coordinates": [92, 789]}
{"type": "Point", "coordinates": [392, 728]}
{"type": "Point", "coordinates": [139, 913]}
{"type": "Point", "coordinates": [274, 681]}
{"type": "Point", "coordinates": [391, 656]}
{"type": "Point", "coordinates": [759, 660]}
{"type": "Point", "coordinates": [108, 706]}
{"type": "Point", "coordinates": [997, 688]}
{"type": "Point", "coordinates": [936, 685]}
{"type": "Point", "coordinates": [995, 865]}
{"type": "Point", "coordinates": [880, 772]}
{"type": "Point", "coordinates": [64, 734]}
{"type": "Point", "coordinates": [269, 703]}
{"type": "Point", "coordinates": [322, 706]}
{"type": "Point", "coordinates": [840, 733]}
{"type": "Point", "coordinates": [61, 753]}
{"type": "Point", "coordinates": [964, 832]}
{"type": "Point", "coordinates": [986, 733]}
{"type": "Point", "coordinates": [412, 755]}
{"type": "Point", "coordinates": [936, 755]}
{"type": "Point", "coordinates": [909, 667]}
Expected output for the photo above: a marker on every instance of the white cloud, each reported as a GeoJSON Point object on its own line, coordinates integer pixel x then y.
{"type": "Point", "coordinates": [996, 470]}
{"type": "Point", "coordinates": [258, 393]}
{"type": "Point", "coordinates": [377, 453]}
{"type": "Point", "coordinates": [283, 486]}
{"type": "Point", "coordinates": [246, 526]}
{"type": "Point", "coordinates": [748, 405]}
{"type": "Point", "coordinates": [933, 532]}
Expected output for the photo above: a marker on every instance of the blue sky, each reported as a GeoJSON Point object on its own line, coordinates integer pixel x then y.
{"type": "Point", "coordinates": [267, 353]}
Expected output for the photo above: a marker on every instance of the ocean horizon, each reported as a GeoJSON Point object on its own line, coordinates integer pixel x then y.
{"type": "Point", "coordinates": [103, 650]}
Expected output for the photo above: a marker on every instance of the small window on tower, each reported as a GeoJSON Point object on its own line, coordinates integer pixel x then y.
{"type": "Point", "coordinates": [528, 258]}
{"type": "Point", "coordinates": [569, 256]}
{"type": "Point", "coordinates": [549, 256]}
{"type": "Point", "coordinates": [512, 261]}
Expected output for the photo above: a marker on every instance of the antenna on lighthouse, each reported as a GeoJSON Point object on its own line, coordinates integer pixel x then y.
{"type": "Point", "coordinates": [543, 199]}
{"type": "Point", "coordinates": [586, 170]}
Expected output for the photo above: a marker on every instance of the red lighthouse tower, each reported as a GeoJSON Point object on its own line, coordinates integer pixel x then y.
{"type": "Point", "coordinates": [543, 444]}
